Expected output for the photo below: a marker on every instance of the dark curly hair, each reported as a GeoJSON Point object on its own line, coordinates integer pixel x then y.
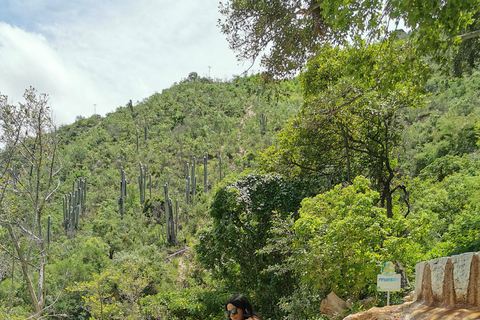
{"type": "Point", "coordinates": [241, 302]}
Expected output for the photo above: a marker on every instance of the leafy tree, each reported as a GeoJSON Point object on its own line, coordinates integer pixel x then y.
{"type": "Point", "coordinates": [28, 179]}
{"type": "Point", "coordinates": [194, 303]}
{"type": "Point", "coordinates": [351, 122]}
{"type": "Point", "coordinates": [467, 56]}
{"type": "Point", "coordinates": [446, 205]}
{"type": "Point", "coordinates": [100, 298]}
{"type": "Point", "coordinates": [190, 118]}
{"type": "Point", "coordinates": [75, 260]}
{"type": "Point", "coordinates": [285, 34]}
{"type": "Point", "coordinates": [116, 292]}
{"type": "Point", "coordinates": [242, 214]}
{"type": "Point", "coordinates": [343, 238]}
{"type": "Point", "coordinates": [448, 125]}
{"type": "Point", "coordinates": [9, 314]}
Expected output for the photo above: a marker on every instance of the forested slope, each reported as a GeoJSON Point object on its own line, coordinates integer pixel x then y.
{"type": "Point", "coordinates": [224, 122]}
{"type": "Point", "coordinates": [282, 234]}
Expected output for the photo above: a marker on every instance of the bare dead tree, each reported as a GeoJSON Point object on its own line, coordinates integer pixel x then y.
{"type": "Point", "coordinates": [28, 179]}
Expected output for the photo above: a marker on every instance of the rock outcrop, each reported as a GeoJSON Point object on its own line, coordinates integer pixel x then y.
{"type": "Point", "coordinates": [445, 288]}
{"type": "Point", "coordinates": [333, 305]}
{"type": "Point", "coordinates": [450, 282]}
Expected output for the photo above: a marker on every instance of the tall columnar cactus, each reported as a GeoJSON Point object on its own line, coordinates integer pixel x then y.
{"type": "Point", "coordinates": [70, 214]}
{"type": "Point", "coordinates": [176, 219]}
{"type": "Point", "coordinates": [49, 224]}
{"type": "Point", "coordinates": [170, 219]}
{"type": "Point", "coordinates": [83, 188]}
{"type": "Point", "coordinates": [193, 179]}
{"type": "Point", "coordinates": [194, 164]}
{"type": "Point", "coordinates": [172, 222]}
{"type": "Point", "coordinates": [123, 192]}
{"type": "Point", "coordinates": [194, 185]}
{"type": "Point", "coordinates": [187, 183]}
{"type": "Point", "coordinates": [145, 130]}
{"type": "Point", "coordinates": [205, 162]}
{"type": "Point", "coordinates": [80, 194]}
{"type": "Point", "coordinates": [65, 204]}
{"type": "Point", "coordinates": [220, 167]}
{"type": "Point", "coordinates": [74, 205]}
{"type": "Point", "coordinates": [263, 123]}
{"type": "Point", "coordinates": [172, 226]}
{"type": "Point", "coordinates": [142, 182]}
{"type": "Point", "coordinates": [187, 190]}
{"type": "Point", "coordinates": [167, 213]}
{"type": "Point", "coordinates": [150, 185]}
{"type": "Point", "coordinates": [76, 208]}
{"type": "Point", "coordinates": [137, 140]}
{"type": "Point", "coordinates": [66, 213]}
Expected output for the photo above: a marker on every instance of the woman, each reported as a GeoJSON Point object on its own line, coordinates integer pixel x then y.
{"type": "Point", "coordinates": [238, 308]}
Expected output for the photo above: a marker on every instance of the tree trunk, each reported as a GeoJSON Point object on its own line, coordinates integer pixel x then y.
{"type": "Point", "coordinates": [347, 153]}
{"type": "Point", "coordinates": [24, 265]}
{"type": "Point", "coordinates": [389, 202]}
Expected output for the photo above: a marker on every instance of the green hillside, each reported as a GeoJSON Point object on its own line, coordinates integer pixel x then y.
{"type": "Point", "coordinates": [284, 233]}
{"type": "Point", "coordinates": [224, 122]}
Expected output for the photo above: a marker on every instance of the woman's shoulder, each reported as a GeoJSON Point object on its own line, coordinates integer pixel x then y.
{"type": "Point", "coordinates": [254, 318]}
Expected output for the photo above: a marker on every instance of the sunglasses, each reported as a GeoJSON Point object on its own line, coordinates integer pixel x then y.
{"type": "Point", "coordinates": [233, 311]}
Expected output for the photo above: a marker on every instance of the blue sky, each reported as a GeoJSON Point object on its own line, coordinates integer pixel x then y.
{"type": "Point", "coordinates": [104, 52]}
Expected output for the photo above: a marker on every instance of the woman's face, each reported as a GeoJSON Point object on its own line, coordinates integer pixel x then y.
{"type": "Point", "coordinates": [232, 309]}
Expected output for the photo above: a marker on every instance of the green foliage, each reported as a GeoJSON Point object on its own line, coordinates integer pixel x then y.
{"type": "Point", "coordinates": [256, 235]}
{"type": "Point", "coordinates": [12, 314]}
{"type": "Point", "coordinates": [116, 292]}
{"type": "Point", "coordinates": [242, 213]}
{"type": "Point", "coordinates": [468, 54]}
{"type": "Point", "coordinates": [194, 117]}
{"type": "Point", "coordinates": [447, 126]}
{"type": "Point", "coordinates": [446, 202]}
{"type": "Point", "coordinates": [301, 304]}
{"type": "Point", "coordinates": [350, 122]}
{"type": "Point", "coordinates": [285, 34]}
{"type": "Point", "coordinates": [344, 237]}
{"type": "Point", "coordinates": [188, 304]}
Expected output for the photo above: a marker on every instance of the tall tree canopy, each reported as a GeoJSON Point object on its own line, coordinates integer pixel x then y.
{"type": "Point", "coordinates": [242, 215]}
{"type": "Point", "coordinates": [351, 123]}
{"type": "Point", "coordinates": [342, 238]}
{"type": "Point", "coordinates": [285, 33]}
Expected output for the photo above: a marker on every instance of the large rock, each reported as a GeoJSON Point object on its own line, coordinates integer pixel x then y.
{"type": "Point", "coordinates": [416, 311]}
{"type": "Point", "coordinates": [333, 305]}
{"type": "Point", "coordinates": [446, 288]}
{"type": "Point", "coordinates": [451, 282]}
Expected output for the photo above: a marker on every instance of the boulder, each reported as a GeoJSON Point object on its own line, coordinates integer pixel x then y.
{"type": "Point", "coordinates": [333, 305]}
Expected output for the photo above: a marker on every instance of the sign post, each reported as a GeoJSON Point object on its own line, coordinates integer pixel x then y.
{"type": "Point", "coordinates": [388, 280]}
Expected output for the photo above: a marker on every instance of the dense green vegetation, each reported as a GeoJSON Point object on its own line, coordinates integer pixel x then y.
{"type": "Point", "coordinates": [283, 191]}
{"type": "Point", "coordinates": [126, 264]}
{"type": "Point", "coordinates": [283, 35]}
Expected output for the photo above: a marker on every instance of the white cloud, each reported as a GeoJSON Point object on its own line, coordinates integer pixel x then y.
{"type": "Point", "coordinates": [26, 59]}
{"type": "Point", "coordinates": [108, 52]}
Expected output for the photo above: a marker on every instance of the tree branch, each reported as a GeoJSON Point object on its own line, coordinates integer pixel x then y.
{"type": "Point", "coordinates": [309, 10]}
{"type": "Point", "coordinates": [470, 35]}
